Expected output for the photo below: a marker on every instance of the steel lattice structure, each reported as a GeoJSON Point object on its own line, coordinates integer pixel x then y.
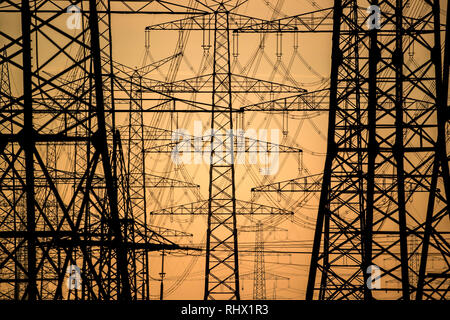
{"type": "Point", "coordinates": [95, 152]}
{"type": "Point", "coordinates": [383, 142]}
{"type": "Point", "coordinates": [383, 194]}
{"type": "Point", "coordinates": [386, 145]}
{"type": "Point", "coordinates": [259, 274]}
{"type": "Point", "coordinates": [222, 267]}
{"type": "Point", "coordinates": [47, 226]}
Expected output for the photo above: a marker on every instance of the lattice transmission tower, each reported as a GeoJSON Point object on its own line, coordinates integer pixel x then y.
{"type": "Point", "coordinates": [64, 182]}
{"type": "Point", "coordinates": [387, 129]}
{"type": "Point", "coordinates": [384, 192]}
{"type": "Point", "coordinates": [218, 23]}
{"type": "Point", "coordinates": [74, 187]}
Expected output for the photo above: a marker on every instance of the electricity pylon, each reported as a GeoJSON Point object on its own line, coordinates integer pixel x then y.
{"type": "Point", "coordinates": [386, 152]}
{"type": "Point", "coordinates": [222, 266]}
{"type": "Point", "coordinates": [259, 273]}
{"type": "Point", "coordinates": [378, 143]}
{"type": "Point", "coordinates": [386, 134]}
{"type": "Point", "coordinates": [74, 111]}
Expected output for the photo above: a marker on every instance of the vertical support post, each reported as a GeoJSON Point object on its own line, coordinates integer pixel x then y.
{"type": "Point", "coordinates": [28, 141]}
{"type": "Point", "coordinates": [101, 146]}
{"type": "Point", "coordinates": [399, 150]}
{"type": "Point", "coordinates": [373, 149]}
{"type": "Point", "coordinates": [336, 56]}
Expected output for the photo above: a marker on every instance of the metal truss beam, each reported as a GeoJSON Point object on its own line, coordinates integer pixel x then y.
{"type": "Point", "coordinates": [201, 208]}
